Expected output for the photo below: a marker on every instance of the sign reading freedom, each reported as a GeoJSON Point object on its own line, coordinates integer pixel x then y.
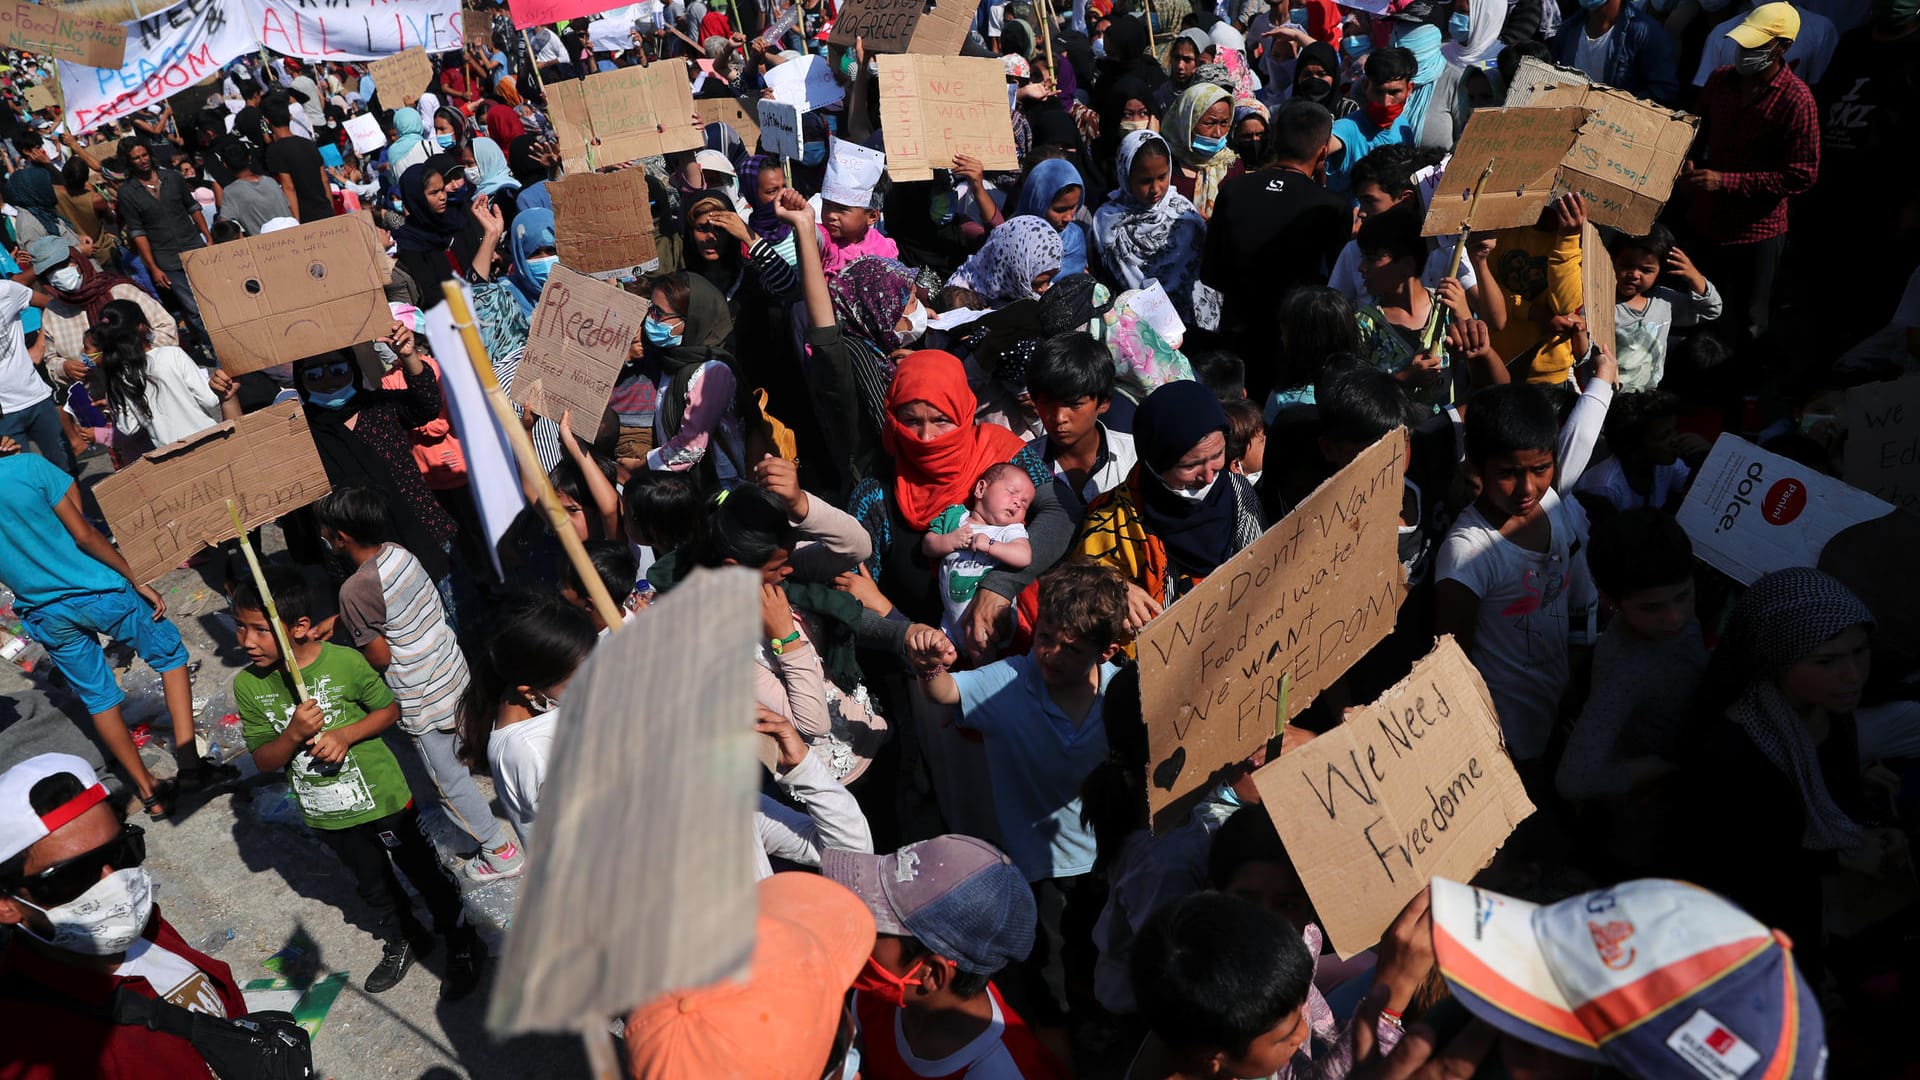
{"type": "Point", "coordinates": [1275, 625]}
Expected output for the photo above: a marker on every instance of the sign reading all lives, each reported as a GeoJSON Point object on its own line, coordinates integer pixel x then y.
{"type": "Point", "coordinates": [1273, 626]}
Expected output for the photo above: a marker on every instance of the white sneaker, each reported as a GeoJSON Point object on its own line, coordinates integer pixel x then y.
{"type": "Point", "coordinates": [498, 865]}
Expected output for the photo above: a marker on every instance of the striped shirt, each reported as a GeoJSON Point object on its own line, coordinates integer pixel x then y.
{"type": "Point", "coordinates": [391, 596]}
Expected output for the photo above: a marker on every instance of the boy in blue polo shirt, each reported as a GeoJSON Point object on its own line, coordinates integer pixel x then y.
{"type": "Point", "coordinates": [1040, 715]}
{"type": "Point", "coordinates": [70, 584]}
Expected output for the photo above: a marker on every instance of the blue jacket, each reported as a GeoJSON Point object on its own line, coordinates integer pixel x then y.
{"type": "Point", "coordinates": [1641, 60]}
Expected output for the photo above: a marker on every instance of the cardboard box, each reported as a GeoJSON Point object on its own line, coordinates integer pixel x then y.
{"type": "Point", "coordinates": [1525, 148]}
{"type": "Point", "coordinates": [1750, 512]}
{"type": "Point", "coordinates": [617, 116]}
{"type": "Point", "coordinates": [1597, 287]}
{"type": "Point", "coordinates": [934, 108]}
{"type": "Point", "coordinates": [603, 221]}
{"type": "Point", "coordinates": [581, 332]}
{"type": "Point", "coordinates": [653, 782]}
{"type": "Point", "coordinates": [1270, 629]}
{"type": "Point", "coordinates": [730, 112]}
{"type": "Point", "coordinates": [903, 26]}
{"type": "Point", "coordinates": [39, 97]}
{"type": "Point", "coordinates": [400, 78]}
{"type": "Point", "coordinates": [1628, 155]}
{"type": "Point", "coordinates": [1882, 455]}
{"type": "Point", "coordinates": [49, 31]}
{"type": "Point", "coordinates": [1415, 785]}
{"type": "Point", "coordinates": [274, 299]}
{"type": "Point", "coordinates": [173, 501]}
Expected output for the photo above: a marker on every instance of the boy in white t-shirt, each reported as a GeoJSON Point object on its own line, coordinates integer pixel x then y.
{"type": "Point", "coordinates": [970, 544]}
{"type": "Point", "coordinates": [1512, 566]}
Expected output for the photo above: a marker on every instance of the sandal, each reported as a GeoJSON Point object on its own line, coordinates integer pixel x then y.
{"type": "Point", "coordinates": [160, 804]}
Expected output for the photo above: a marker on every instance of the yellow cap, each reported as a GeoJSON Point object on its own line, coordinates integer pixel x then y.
{"type": "Point", "coordinates": [1765, 23]}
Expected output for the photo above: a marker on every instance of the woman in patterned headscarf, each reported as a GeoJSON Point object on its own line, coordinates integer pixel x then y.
{"type": "Point", "coordinates": [1146, 230]}
{"type": "Point", "coordinates": [1780, 799]}
{"type": "Point", "coordinates": [1018, 262]}
{"type": "Point", "coordinates": [1197, 128]}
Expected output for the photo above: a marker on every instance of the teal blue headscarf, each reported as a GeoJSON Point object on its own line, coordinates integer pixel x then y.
{"type": "Point", "coordinates": [407, 128]}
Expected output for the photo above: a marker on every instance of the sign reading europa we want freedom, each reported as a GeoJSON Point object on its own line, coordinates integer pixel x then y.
{"type": "Point", "coordinates": [192, 40]}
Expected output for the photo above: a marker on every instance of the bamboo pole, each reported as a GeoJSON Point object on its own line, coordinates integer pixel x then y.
{"type": "Point", "coordinates": [266, 597]}
{"type": "Point", "coordinates": [531, 475]}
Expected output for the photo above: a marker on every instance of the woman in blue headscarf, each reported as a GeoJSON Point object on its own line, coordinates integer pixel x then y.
{"type": "Point", "coordinates": [409, 147]}
{"type": "Point", "coordinates": [495, 179]}
{"type": "Point", "coordinates": [1054, 191]}
{"type": "Point", "coordinates": [1436, 86]}
{"type": "Point", "coordinates": [534, 250]}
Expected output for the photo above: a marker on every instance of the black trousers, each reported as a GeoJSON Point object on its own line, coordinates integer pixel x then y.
{"type": "Point", "coordinates": [372, 851]}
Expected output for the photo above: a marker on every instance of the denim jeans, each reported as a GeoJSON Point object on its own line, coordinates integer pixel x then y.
{"type": "Point", "coordinates": [41, 424]}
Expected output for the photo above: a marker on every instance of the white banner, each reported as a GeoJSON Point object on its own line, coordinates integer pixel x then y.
{"type": "Point", "coordinates": [330, 30]}
{"type": "Point", "coordinates": [166, 53]}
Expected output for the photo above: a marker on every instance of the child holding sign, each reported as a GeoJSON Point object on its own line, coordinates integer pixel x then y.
{"type": "Point", "coordinates": [349, 785]}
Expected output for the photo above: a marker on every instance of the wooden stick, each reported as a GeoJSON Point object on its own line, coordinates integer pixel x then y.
{"type": "Point", "coordinates": [531, 474]}
{"type": "Point", "coordinates": [1046, 37]}
{"type": "Point", "coordinates": [533, 66]}
{"type": "Point", "coordinates": [1436, 329]}
{"type": "Point", "coordinates": [266, 597]}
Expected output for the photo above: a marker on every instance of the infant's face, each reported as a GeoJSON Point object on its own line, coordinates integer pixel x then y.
{"type": "Point", "coordinates": [1005, 498]}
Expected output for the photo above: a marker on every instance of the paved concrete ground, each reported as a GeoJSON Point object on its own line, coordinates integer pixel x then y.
{"type": "Point", "coordinates": [239, 876]}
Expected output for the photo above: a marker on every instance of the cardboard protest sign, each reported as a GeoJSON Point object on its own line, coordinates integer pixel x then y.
{"type": "Point", "coordinates": [653, 784]}
{"type": "Point", "coordinates": [476, 27]}
{"type": "Point", "coordinates": [173, 501]}
{"type": "Point", "coordinates": [933, 108]}
{"type": "Point", "coordinates": [603, 221]}
{"type": "Point", "coordinates": [903, 26]}
{"type": "Point", "coordinates": [399, 78]}
{"type": "Point", "coordinates": [274, 299]}
{"type": "Point", "coordinates": [365, 132]}
{"type": "Point", "coordinates": [582, 329]}
{"type": "Point", "coordinates": [1273, 626]}
{"type": "Point", "coordinates": [49, 31]}
{"type": "Point", "coordinates": [1415, 785]}
{"type": "Point", "coordinates": [1750, 512]}
{"type": "Point", "coordinates": [618, 116]}
{"type": "Point", "coordinates": [1597, 288]}
{"type": "Point", "coordinates": [39, 97]}
{"type": "Point", "coordinates": [1628, 154]}
{"type": "Point", "coordinates": [779, 128]}
{"type": "Point", "coordinates": [807, 82]}
{"type": "Point", "coordinates": [730, 112]}
{"type": "Point", "coordinates": [1525, 147]}
{"type": "Point", "coordinates": [1882, 456]}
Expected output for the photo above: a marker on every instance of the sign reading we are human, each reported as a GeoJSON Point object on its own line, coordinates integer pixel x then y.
{"type": "Point", "coordinates": [1273, 627]}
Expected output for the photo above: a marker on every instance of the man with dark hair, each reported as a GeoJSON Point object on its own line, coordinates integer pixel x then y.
{"type": "Point", "coordinates": [163, 220]}
{"type": "Point", "coordinates": [1273, 230]}
{"type": "Point", "coordinates": [1623, 45]}
{"type": "Point", "coordinates": [951, 912]}
{"type": "Point", "coordinates": [1379, 122]}
{"type": "Point", "coordinates": [251, 200]}
{"type": "Point", "coordinates": [295, 162]}
{"type": "Point", "coordinates": [73, 889]}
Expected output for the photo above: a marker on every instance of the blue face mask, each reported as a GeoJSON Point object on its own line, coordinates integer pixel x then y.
{"type": "Point", "coordinates": [813, 153]}
{"type": "Point", "coordinates": [444, 141]}
{"type": "Point", "coordinates": [1208, 147]}
{"type": "Point", "coordinates": [331, 399]}
{"type": "Point", "coordinates": [1099, 48]}
{"type": "Point", "coordinates": [1460, 25]}
{"type": "Point", "coordinates": [1356, 45]}
{"type": "Point", "coordinates": [1298, 17]}
{"type": "Point", "coordinates": [538, 269]}
{"type": "Point", "coordinates": [659, 335]}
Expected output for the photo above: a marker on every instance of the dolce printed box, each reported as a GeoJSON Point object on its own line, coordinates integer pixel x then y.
{"type": "Point", "coordinates": [1750, 512]}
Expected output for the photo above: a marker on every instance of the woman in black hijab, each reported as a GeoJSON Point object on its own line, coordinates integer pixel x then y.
{"type": "Point", "coordinates": [1316, 78]}
{"type": "Point", "coordinates": [434, 219]}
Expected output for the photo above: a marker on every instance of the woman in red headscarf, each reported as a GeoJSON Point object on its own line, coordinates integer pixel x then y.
{"type": "Point", "coordinates": [936, 453]}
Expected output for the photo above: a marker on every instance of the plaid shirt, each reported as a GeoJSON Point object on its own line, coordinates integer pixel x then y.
{"type": "Point", "coordinates": [1768, 150]}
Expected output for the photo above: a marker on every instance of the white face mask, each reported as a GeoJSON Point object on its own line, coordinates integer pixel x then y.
{"type": "Point", "coordinates": [1197, 495]}
{"type": "Point", "coordinates": [66, 279]}
{"type": "Point", "coordinates": [105, 919]}
{"type": "Point", "coordinates": [916, 324]}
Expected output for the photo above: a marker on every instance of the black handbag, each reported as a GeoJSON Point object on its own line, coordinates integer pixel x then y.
{"type": "Point", "coordinates": [258, 1046]}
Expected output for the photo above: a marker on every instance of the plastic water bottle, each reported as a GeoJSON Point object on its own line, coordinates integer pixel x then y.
{"type": "Point", "coordinates": [15, 645]}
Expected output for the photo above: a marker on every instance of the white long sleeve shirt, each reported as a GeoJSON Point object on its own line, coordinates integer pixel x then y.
{"type": "Point", "coordinates": [832, 819]}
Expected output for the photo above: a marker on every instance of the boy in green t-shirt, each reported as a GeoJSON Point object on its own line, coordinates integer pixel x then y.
{"type": "Point", "coordinates": [349, 785]}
